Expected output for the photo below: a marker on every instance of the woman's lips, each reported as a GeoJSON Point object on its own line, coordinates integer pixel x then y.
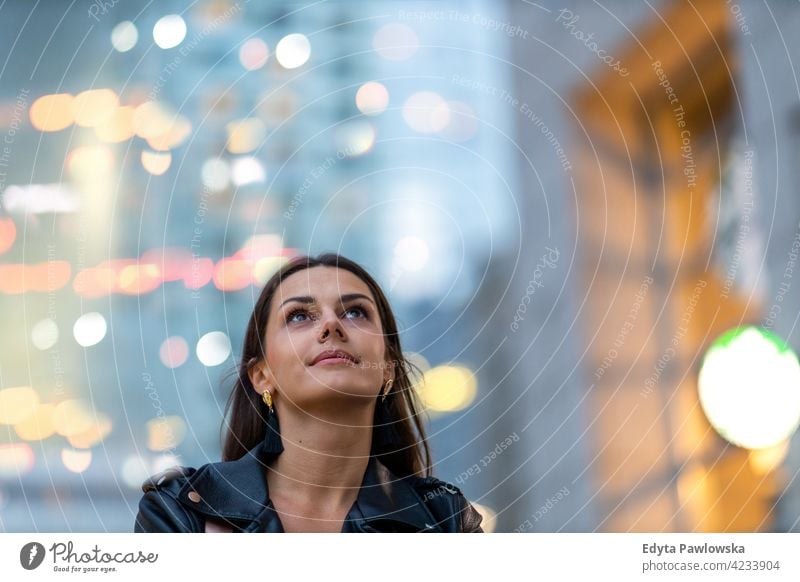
{"type": "Point", "coordinates": [335, 361]}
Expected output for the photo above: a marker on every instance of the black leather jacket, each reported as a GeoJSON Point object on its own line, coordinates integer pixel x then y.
{"type": "Point", "coordinates": [234, 494]}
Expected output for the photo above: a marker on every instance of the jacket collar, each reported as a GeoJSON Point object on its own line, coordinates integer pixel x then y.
{"type": "Point", "coordinates": [237, 490]}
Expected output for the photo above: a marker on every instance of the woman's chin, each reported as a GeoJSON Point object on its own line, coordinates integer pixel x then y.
{"type": "Point", "coordinates": [341, 386]}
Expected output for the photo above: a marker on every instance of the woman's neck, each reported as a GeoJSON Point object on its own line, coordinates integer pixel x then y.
{"type": "Point", "coordinates": [324, 459]}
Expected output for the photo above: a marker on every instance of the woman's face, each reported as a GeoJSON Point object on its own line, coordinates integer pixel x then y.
{"type": "Point", "coordinates": [317, 311]}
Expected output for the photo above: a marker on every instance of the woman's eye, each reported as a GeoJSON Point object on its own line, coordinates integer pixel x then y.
{"type": "Point", "coordinates": [357, 309]}
{"type": "Point", "coordinates": [291, 317]}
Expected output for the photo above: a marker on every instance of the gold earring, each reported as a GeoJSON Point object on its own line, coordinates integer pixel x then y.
{"type": "Point", "coordinates": [267, 398]}
{"type": "Point", "coordinates": [386, 391]}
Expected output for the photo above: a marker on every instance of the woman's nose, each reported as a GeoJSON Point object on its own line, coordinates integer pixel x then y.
{"type": "Point", "coordinates": [330, 325]}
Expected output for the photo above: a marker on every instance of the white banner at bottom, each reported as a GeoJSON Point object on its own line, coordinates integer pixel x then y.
{"type": "Point", "coordinates": [534, 556]}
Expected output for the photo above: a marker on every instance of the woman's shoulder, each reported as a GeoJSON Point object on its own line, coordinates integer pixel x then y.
{"type": "Point", "coordinates": [159, 508]}
{"type": "Point", "coordinates": [448, 505]}
{"type": "Point", "coordinates": [168, 479]}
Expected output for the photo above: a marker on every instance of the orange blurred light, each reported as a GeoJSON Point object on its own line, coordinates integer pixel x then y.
{"type": "Point", "coordinates": [200, 272]}
{"type": "Point", "coordinates": [88, 162]}
{"type": "Point", "coordinates": [52, 112]}
{"type": "Point", "coordinates": [94, 107]}
{"type": "Point", "coordinates": [93, 435]}
{"type": "Point", "coordinates": [260, 246]}
{"type": "Point", "coordinates": [138, 279]}
{"type": "Point", "coordinates": [176, 132]}
{"type": "Point", "coordinates": [94, 282]}
{"type": "Point", "coordinates": [156, 163]}
{"type": "Point", "coordinates": [118, 127]}
{"type": "Point", "coordinates": [8, 234]}
{"type": "Point", "coordinates": [245, 135]}
{"type": "Point", "coordinates": [11, 279]}
{"type": "Point", "coordinates": [50, 276]}
{"type": "Point", "coordinates": [152, 119]}
{"type": "Point", "coordinates": [174, 263]}
{"type": "Point", "coordinates": [38, 426]}
{"type": "Point", "coordinates": [233, 274]}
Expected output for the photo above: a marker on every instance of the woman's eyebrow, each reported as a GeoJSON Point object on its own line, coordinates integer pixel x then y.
{"type": "Point", "coordinates": [343, 299]}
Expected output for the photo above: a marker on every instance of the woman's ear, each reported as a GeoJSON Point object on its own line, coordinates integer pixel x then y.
{"type": "Point", "coordinates": [389, 371]}
{"type": "Point", "coordinates": [261, 377]}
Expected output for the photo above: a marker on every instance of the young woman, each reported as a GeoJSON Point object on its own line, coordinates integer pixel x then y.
{"type": "Point", "coordinates": [322, 354]}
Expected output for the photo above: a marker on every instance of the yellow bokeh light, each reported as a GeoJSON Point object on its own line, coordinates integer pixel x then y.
{"type": "Point", "coordinates": [156, 162]}
{"type": "Point", "coordinates": [118, 127]}
{"type": "Point", "coordinates": [265, 267]}
{"type": "Point", "coordinates": [72, 417]}
{"type": "Point", "coordinates": [165, 433]}
{"type": "Point", "coordinates": [176, 133]}
{"type": "Point", "coordinates": [37, 426]}
{"type": "Point", "coordinates": [448, 388]}
{"type": "Point", "coordinates": [763, 461]}
{"type": "Point", "coordinates": [52, 112]}
{"type": "Point", "coordinates": [92, 435]}
{"type": "Point", "coordinates": [152, 119]}
{"type": "Point", "coordinates": [89, 162]}
{"type": "Point", "coordinates": [696, 492]}
{"type": "Point", "coordinates": [17, 404]}
{"type": "Point", "coordinates": [94, 107]}
{"type": "Point", "coordinates": [76, 461]}
{"type": "Point", "coordinates": [245, 135]}
{"type": "Point", "coordinates": [139, 278]}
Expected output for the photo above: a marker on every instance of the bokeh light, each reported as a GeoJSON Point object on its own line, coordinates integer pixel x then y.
{"type": "Point", "coordinates": [93, 434]}
{"type": "Point", "coordinates": [90, 162]}
{"type": "Point", "coordinates": [448, 388]}
{"type": "Point", "coordinates": [118, 126]}
{"type": "Point", "coordinates": [94, 107]}
{"type": "Point", "coordinates": [213, 348]}
{"type": "Point", "coordinates": [44, 334]}
{"type": "Point", "coordinates": [8, 234]}
{"type": "Point", "coordinates": [165, 433]}
{"type": "Point", "coordinates": [411, 253]}
{"type": "Point", "coordinates": [16, 459]}
{"type": "Point", "coordinates": [169, 31]}
{"type": "Point", "coordinates": [75, 460]}
{"type": "Point", "coordinates": [355, 138]}
{"type": "Point", "coordinates": [89, 329]}
{"type": "Point", "coordinates": [248, 170]}
{"type": "Point", "coordinates": [372, 98]}
{"type": "Point", "coordinates": [52, 112]}
{"type": "Point", "coordinates": [293, 51]}
{"type": "Point", "coordinates": [253, 54]}
{"type": "Point", "coordinates": [124, 36]}
{"type": "Point", "coordinates": [216, 174]}
{"type": "Point", "coordinates": [749, 387]}
{"type": "Point", "coordinates": [17, 404]}
{"type": "Point", "coordinates": [426, 112]}
{"type": "Point", "coordinates": [156, 163]}
{"type": "Point", "coordinates": [39, 425]}
{"type": "Point", "coordinates": [173, 351]}
{"type": "Point", "coordinates": [72, 417]}
{"type": "Point", "coordinates": [245, 135]}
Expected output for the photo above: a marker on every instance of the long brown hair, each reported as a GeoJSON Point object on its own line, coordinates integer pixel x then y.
{"type": "Point", "coordinates": [247, 425]}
